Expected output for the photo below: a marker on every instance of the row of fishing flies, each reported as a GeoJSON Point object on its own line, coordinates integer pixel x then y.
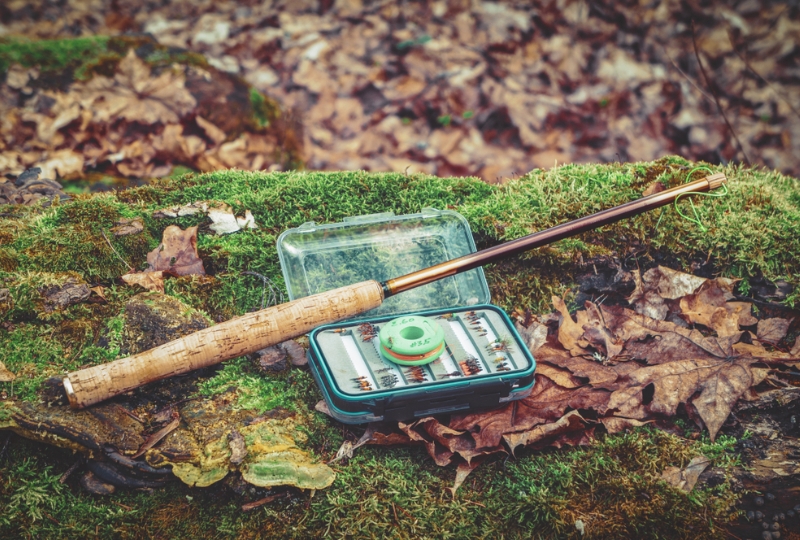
{"type": "Point", "coordinates": [417, 375]}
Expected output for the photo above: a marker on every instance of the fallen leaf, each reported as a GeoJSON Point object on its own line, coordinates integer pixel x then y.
{"type": "Point", "coordinates": [152, 281]}
{"type": "Point", "coordinates": [99, 291]}
{"type": "Point", "coordinates": [126, 227]}
{"type": "Point", "coordinates": [296, 352]}
{"type": "Point", "coordinates": [462, 471]}
{"type": "Point", "coordinates": [570, 333]}
{"type": "Point", "coordinates": [224, 222]}
{"type": "Point", "coordinates": [570, 422]}
{"type": "Point", "coordinates": [709, 306]}
{"type": "Point", "coordinates": [534, 335]}
{"type": "Point", "coordinates": [180, 211]}
{"type": "Point", "coordinates": [660, 284]}
{"type": "Point", "coordinates": [719, 382]}
{"type": "Point", "coordinates": [214, 133]}
{"type": "Point", "coordinates": [177, 253]}
{"type": "Point", "coordinates": [772, 330]}
{"type": "Point", "coordinates": [136, 96]}
{"type": "Point", "coordinates": [686, 478]}
{"type": "Point", "coordinates": [5, 375]}
{"type": "Point", "coordinates": [348, 447]}
{"type": "Point", "coordinates": [616, 424]}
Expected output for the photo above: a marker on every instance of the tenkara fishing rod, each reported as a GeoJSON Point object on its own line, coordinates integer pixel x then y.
{"type": "Point", "coordinates": [267, 327]}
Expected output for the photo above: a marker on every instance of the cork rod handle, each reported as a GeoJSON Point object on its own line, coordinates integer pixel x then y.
{"type": "Point", "coordinates": [215, 344]}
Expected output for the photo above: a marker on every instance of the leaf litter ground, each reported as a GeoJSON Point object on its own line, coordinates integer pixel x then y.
{"type": "Point", "coordinates": [446, 87]}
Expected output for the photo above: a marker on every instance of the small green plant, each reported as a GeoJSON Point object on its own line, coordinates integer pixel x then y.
{"type": "Point", "coordinates": [35, 492]}
{"type": "Point", "coordinates": [444, 120]}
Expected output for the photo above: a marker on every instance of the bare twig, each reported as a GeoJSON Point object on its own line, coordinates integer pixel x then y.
{"type": "Point", "coordinates": [709, 98]}
{"type": "Point", "coordinates": [716, 98]}
{"type": "Point", "coordinates": [69, 471]}
{"type": "Point", "coordinates": [115, 251]}
{"type": "Point", "coordinates": [265, 500]}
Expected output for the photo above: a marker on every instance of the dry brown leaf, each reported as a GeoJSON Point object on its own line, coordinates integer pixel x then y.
{"type": "Point", "coordinates": [547, 403]}
{"type": "Point", "coordinates": [686, 478]}
{"type": "Point", "coordinates": [99, 291]}
{"type": "Point", "coordinates": [534, 335]}
{"type": "Point", "coordinates": [152, 281]}
{"type": "Point", "coordinates": [133, 94]}
{"type": "Point", "coordinates": [773, 330]}
{"type": "Point", "coordinates": [177, 253]}
{"type": "Point", "coordinates": [570, 333]}
{"type": "Point", "coordinates": [709, 306]}
{"type": "Point", "coordinates": [569, 423]}
{"type": "Point", "coordinates": [616, 424]}
{"type": "Point", "coordinates": [403, 88]}
{"type": "Point", "coordinates": [796, 348]}
{"type": "Point", "coordinates": [660, 284]}
{"type": "Point", "coordinates": [126, 227]}
{"type": "Point", "coordinates": [213, 132]}
{"type": "Point", "coordinates": [462, 471]}
{"type": "Point", "coordinates": [5, 375]}
{"type": "Point", "coordinates": [663, 341]}
{"type": "Point", "coordinates": [596, 373]}
{"type": "Point", "coordinates": [719, 382]}
{"type": "Point", "coordinates": [561, 377]}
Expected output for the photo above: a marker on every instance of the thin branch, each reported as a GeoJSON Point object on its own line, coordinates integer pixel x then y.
{"type": "Point", "coordinates": [757, 74]}
{"type": "Point", "coordinates": [115, 251]}
{"type": "Point", "coordinates": [709, 98]}
{"type": "Point", "coordinates": [716, 98]}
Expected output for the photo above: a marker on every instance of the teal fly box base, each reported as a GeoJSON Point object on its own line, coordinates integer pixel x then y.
{"type": "Point", "coordinates": [484, 362]}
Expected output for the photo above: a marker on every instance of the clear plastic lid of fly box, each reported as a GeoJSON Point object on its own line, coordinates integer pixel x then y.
{"type": "Point", "coordinates": [317, 258]}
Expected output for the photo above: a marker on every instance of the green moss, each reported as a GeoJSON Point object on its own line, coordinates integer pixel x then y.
{"type": "Point", "coordinates": [52, 55]}
{"type": "Point", "coordinates": [613, 485]}
{"type": "Point", "coordinates": [754, 230]}
{"type": "Point", "coordinates": [265, 111]}
{"type": "Point", "coordinates": [81, 58]}
{"type": "Point", "coordinates": [255, 391]}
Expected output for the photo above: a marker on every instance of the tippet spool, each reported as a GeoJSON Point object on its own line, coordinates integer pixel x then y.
{"type": "Point", "coordinates": [411, 341]}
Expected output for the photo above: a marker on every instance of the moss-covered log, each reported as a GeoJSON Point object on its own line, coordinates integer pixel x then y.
{"type": "Point", "coordinates": [753, 233]}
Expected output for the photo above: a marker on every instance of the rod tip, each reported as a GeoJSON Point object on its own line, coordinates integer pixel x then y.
{"type": "Point", "coordinates": [716, 180]}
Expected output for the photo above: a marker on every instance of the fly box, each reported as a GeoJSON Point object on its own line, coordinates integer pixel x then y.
{"type": "Point", "coordinates": [439, 348]}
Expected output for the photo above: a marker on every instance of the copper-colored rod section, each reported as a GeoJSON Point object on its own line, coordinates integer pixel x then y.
{"type": "Point", "coordinates": [541, 238]}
